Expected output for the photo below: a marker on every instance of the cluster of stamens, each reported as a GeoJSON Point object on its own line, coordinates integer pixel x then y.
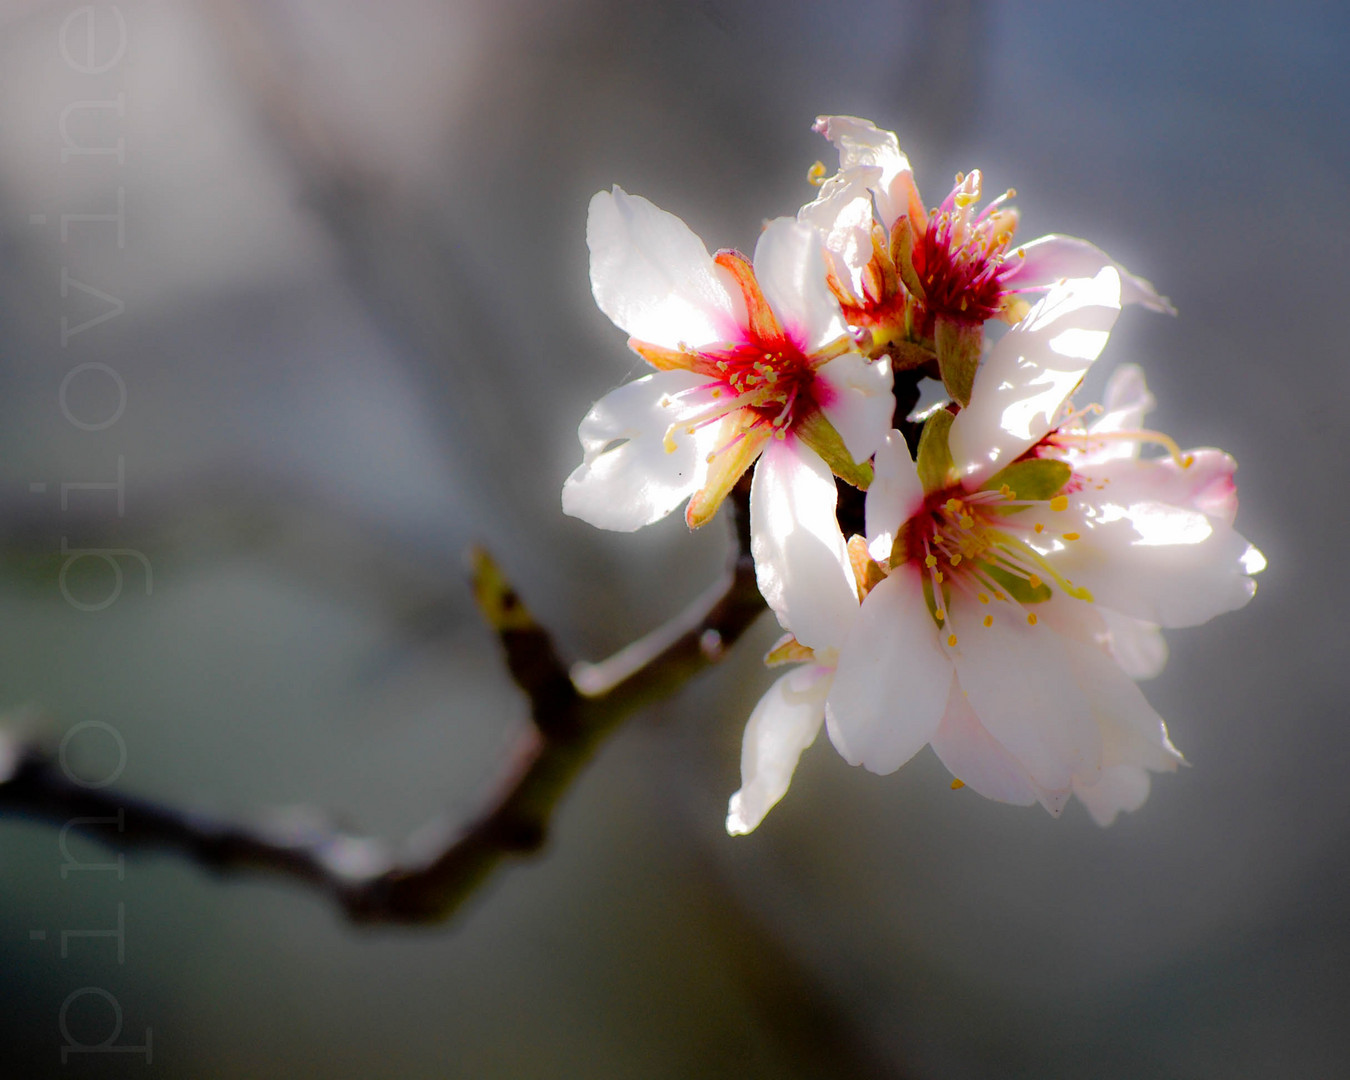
{"type": "Point", "coordinates": [1069, 438]}
{"type": "Point", "coordinates": [979, 544]}
{"type": "Point", "coordinates": [775, 386]}
{"type": "Point", "coordinates": [961, 257]}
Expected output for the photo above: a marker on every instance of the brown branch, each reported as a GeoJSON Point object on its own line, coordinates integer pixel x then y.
{"type": "Point", "coordinates": [440, 867]}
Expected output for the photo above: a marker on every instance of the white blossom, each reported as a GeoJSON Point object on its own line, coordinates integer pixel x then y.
{"type": "Point", "coordinates": [751, 359]}
{"type": "Point", "coordinates": [1012, 581]}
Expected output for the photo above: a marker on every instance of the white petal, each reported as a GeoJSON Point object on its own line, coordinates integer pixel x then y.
{"type": "Point", "coordinates": [1126, 402]}
{"type": "Point", "coordinates": [1034, 367]}
{"type": "Point", "coordinates": [976, 758]}
{"type": "Point", "coordinates": [893, 681]}
{"type": "Point", "coordinates": [1205, 485]}
{"type": "Point", "coordinates": [1131, 732]}
{"type": "Point", "coordinates": [626, 485]}
{"type": "Point", "coordinates": [1137, 646]}
{"type": "Point", "coordinates": [801, 559]}
{"type": "Point", "coordinates": [843, 214]}
{"type": "Point", "coordinates": [855, 396]}
{"type": "Point", "coordinates": [654, 278]}
{"type": "Point", "coordinates": [1050, 258]}
{"type": "Point", "coordinates": [1119, 788]}
{"type": "Point", "coordinates": [784, 723]}
{"type": "Point", "coordinates": [895, 496]}
{"type": "Point", "coordinates": [862, 143]}
{"type": "Point", "coordinates": [1022, 687]}
{"type": "Point", "coordinates": [1162, 564]}
{"type": "Point", "coordinates": [790, 268]}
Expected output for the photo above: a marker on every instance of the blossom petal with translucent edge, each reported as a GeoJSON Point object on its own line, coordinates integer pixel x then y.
{"type": "Point", "coordinates": [1126, 402]}
{"type": "Point", "coordinates": [790, 268]}
{"type": "Point", "coordinates": [784, 723]}
{"type": "Point", "coordinates": [862, 143]}
{"type": "Point", "coordinates": [1205, 485]}
{"type": "Point", "coordinates": [1031, 371]}
{"type": "Point", "coordinates": [1162, 564]}
{"type": "Point", "coordinates": [1137, 646]}
{"type": "Point", "coordinates": [976, 758]}
{"type": "Point", "coordinates": [740, 438]}
{"type": "Point", "coordinates": [624, 485]}
{"type": "Point", "coordinates": [894, 497]}
{"type": "Point", "coordinates": [855, 396]}
{"type": "Point", "coordinates": [654, 278]}
{"type": "Point", "coordinates": [1120, 788]}
{"type": "Point", "coordinates": [801, 560]}
{"type": "Point", "coordinates": [842, 212]}
{"type": "Point", "coordinates": [1021, 685]}
{"type": "Point", "coordinates": [1131, 732]}
{"type": "Point", "coordinates": [893, 682]}
{"type": "Point", "coordinates": [1047, 259]}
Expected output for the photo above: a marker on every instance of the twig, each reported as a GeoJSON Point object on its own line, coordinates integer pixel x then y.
{"type": "Point", "coordinates": [440, 867]}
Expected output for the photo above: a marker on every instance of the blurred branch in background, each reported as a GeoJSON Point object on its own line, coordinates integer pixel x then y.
{"type": "Point", "coordinates": [419, 287]}
{"type": "Point", "coordinates": [442, 865]}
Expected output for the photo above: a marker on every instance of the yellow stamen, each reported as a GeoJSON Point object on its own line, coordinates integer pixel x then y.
{"type": "Point", "coordinates": [957, 785]}
{"type": "Point", "coordinates": [953, 505]}
{"type": "Point", "coordinates": [1070, 536]}
{"type": "Point", "coordinates": [930, 562]}
{"type": "Point", "coordinates": [1059, 502]}
{"type": "Point", "coordinates": [1040, 527]}
{"type": "Point", "coordinates": [956, 559]}
{"type": "Point", "coordinates": [951, 640]}
{"type": "Point", "coordinates": [988, 620]}
{"type": "Point", "coordinates": [815, 175]}
{"type": "Point", "coordinates": [1142, 435]}
{"type": "Point", "coordinates": [984, 598]}
{"type": "Point", "coordinates": [1031, 618]}
{"type": "Point", "coordinates": [1034, 581]}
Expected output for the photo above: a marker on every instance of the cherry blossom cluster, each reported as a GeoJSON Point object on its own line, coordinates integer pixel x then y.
{"type": "Point", "coordinates": [1019, 555]}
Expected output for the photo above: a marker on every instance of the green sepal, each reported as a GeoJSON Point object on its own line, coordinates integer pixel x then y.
{"type": "Point", "coordinates": [908, 355]}
{"type": "Point", "coordinates": [959, 347]}
{"type": "Point", "coordinates": [902, 254]}
{"type": "Point", "coordinates": [899, 546]}
{"type": "Point", "coordinates": [820, 435]}
{"type": "Point", "coordinates": [1019, 588]}
{"type": "Point", "coordinates": [742, 440]}
{"type": "Point", "coordinates": [937, 471]}
{"type": "Point", "coordinates": [1035, 479]}
{"type": "Point", "coordinates": [788, 650]}
{"type": "Point", "coordinates": [867, 572]}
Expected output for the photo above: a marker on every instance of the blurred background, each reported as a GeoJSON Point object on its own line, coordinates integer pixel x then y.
{"type": "Point", "coordinates": [327, 317]}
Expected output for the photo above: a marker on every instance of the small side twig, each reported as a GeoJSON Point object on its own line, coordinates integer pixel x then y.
{"type": "Point", "coordinates": [439, 868]}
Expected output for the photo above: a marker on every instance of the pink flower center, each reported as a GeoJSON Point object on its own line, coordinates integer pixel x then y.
{"type": "Point", "coordinates": [988, 547]}
{"type": "Point", "coordinates": [777, 385]}
{"type": "Point", "coordinates": [960, 258]}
